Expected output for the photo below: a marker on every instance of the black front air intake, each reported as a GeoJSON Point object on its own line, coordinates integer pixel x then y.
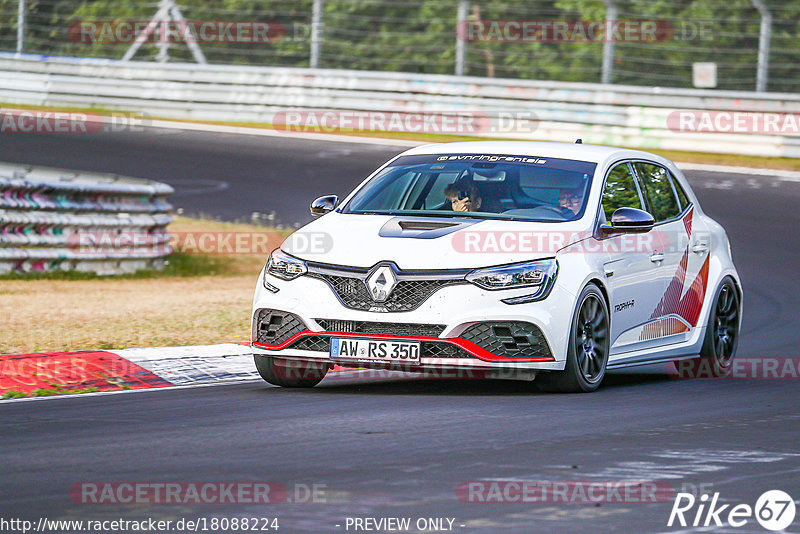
{"type": "Point", "coordinates": [513, 339]}
{"type": "Point", "coordinates": [273, 327]}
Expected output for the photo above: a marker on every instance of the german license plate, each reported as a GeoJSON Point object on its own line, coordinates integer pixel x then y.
{"type": "Point", "coordinates": [375, 350]}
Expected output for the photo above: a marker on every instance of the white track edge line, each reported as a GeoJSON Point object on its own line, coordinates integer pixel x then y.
{"type": "Point", "coordinates": [132, 390]}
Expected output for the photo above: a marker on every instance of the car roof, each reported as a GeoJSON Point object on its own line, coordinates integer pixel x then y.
{"type": "Point", "coordinates": [575, 151]}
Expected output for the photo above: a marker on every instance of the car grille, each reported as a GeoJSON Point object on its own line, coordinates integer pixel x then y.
{"type": "Point", "coordinates": [407, 295]}
{"type": "Point", "coordinates": [395, 329]}
{"type": "Point", "coordinates": [315, 343]}
{"type": "Point", "coordinates": [273, 327]}
{"type": "Point", "coordinates": [433, 349]}
{"type": "Point", "coordinates": [513, 339]}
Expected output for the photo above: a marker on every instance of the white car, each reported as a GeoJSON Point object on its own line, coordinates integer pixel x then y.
{"type": "Point", "coordinates": [523, 260]}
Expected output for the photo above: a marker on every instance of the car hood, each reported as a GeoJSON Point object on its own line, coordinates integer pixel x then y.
{"type": "Point", "coordinates": [429, 242]}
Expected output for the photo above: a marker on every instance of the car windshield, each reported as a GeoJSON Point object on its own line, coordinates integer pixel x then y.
{"type": "Point", "coordinates": [486, 186]}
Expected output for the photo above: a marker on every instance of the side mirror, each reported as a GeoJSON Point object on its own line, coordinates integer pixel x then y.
{"type": "Point", "coordinates": [323, 205]}
{"type": "Point", "coordinates": [629, 221]}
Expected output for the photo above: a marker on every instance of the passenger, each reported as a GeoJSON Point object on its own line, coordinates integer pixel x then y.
{"type": "Point", "coordinates": [570, 199]}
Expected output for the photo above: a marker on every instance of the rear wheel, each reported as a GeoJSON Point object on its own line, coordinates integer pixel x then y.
{"type": "Point", "coordinates": [587, 353]}
{"type": "Point", "coordinates": [290, 373]}
{"type": "Point", "coordinates": [722, 332]}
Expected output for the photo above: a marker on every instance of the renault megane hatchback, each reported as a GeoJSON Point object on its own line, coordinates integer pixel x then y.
{"type": "Point", "coordinates": [550, 262]}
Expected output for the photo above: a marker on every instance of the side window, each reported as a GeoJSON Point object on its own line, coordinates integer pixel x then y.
{"type": "Point", "coordinates": [436, 194]}
{"type": "Point", "coordinates": [658, 191]}
{"type": "Point", "coordinates": [682, 198]}
{"type": "Point", "coordinates": [620, 191]}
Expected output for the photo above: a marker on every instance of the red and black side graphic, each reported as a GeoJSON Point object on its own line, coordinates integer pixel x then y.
{"type": "Point", "coordinates": [675, 302]}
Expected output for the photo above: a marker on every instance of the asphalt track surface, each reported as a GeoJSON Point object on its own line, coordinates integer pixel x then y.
{"type": "Point", "coordinates": [401, 447]}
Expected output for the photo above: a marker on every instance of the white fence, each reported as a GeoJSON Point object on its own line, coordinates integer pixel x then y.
{"type": "Point", "coordinates": [54, 220]}
{"type": "Point", "coordinates": [604, 114]}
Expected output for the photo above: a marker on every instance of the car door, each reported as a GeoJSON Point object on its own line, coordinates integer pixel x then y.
{"type": "Point", "coordinates": [685, 263]}
{"type": "Point", "coordinates": [632, 273]}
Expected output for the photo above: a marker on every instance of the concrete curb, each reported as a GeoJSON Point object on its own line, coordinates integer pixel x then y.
{"type": "Point", "coordinates": [142, 368]}
{"type": "Point", "coordinates": [115, 370]}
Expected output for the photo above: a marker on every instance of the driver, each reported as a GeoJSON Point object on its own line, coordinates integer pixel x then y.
{"type": "Point", "coordinates": [463, 196]}
{"type": "Point", "coordinates": [570, 199]}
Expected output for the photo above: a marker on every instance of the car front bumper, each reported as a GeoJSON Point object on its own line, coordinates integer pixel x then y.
{"type": "Point", "coordinates": [464, 326]}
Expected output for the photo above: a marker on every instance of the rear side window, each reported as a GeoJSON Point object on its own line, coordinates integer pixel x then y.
{"type": "Point", "coordinates": [620, 191]}
{"type": "Point", "coordinates": [682, 198]}
{"type": "Point", "coordinates": [661, 199]}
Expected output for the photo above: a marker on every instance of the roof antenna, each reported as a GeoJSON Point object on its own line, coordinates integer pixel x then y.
{"type": "Point", "coordinates": [579, 141]}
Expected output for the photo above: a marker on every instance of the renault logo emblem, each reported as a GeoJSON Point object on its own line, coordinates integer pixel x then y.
{"type": "Point", "coordinates": [381, 282]}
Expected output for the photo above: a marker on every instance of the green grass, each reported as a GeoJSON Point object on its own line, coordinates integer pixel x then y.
{"type": "Point", "coordinates": [45, 392]}
{"type": "Point", "coordinates": [14, 394]}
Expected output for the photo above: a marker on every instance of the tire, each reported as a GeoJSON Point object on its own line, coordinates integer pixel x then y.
{"type": "Point", "coordinates": [290, 373]}
{"type": "Point", "coordinates": [587, 351]}
{"type": "Point", "coordinates": [722, 333]}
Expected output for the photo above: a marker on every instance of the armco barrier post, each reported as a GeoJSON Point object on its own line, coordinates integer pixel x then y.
{"type": "Point", "coordinates": [765, 31]}
{"type": "Point", "coordinates": [608, 44]}
{"type": "Point", "coordinates": [53, 220]}
{"type": "Point", "coordinates": [316, 33]}
{"type": "Point", "coordinates": [21, 27]}
{"type": "Point", "coordinates": [461, 37]}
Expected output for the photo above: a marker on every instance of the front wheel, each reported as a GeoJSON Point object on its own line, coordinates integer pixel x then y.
{"type": "Point", "coordinates": [587, 353]}
{"type": "Point", "coordinates": [290, 373]}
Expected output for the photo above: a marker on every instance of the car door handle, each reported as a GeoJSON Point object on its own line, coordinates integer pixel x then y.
{"type": "Point", "coordinates": [657, 257]}
{"type": "Point", "coordinates": [700, 248]}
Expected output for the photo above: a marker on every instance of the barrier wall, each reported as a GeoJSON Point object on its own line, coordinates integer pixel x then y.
{"type": "Point", "coordinates": [605, 114]}
{"type": "Point", "coordinates": [54, 220]}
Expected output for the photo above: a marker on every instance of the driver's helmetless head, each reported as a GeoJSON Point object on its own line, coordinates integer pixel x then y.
{"type": "Point", "coordinates": [463, 197]}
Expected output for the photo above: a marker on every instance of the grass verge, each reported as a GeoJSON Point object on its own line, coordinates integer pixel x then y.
{"type": "Point", "coordinates": [199, 299]}
{"type": "Point", "coordinates": [44, 392]}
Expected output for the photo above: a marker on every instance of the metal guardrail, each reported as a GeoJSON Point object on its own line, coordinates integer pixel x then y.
{"type": "Point", "coordinates": [598, 113]}
{"type": "Point", "coordinates": [55, 220]}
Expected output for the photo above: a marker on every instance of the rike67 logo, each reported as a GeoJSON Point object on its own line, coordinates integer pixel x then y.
{"type": "Point", "coordinates": [774, 510]}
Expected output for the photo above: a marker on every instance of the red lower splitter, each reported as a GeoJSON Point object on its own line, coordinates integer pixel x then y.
{"type": "Point", "coordinates": [72, 371]}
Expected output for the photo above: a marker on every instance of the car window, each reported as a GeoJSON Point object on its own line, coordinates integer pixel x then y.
{"type": "Point", "coordinates": [479, 186]}
{"type": "Point", "coordinates": [392, 194]}
{"type": "Point", "coordinates": [620, 191]}
{"type": "Point", "coordinates": [682, 198]}
{"type": "Point", "coordinates": [661, 200]}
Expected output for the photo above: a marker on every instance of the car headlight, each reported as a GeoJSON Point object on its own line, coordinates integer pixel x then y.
{"type": "Point", "coordinates": [540, 274]}
{"type": "Point", "coordinates": [284, 266]}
